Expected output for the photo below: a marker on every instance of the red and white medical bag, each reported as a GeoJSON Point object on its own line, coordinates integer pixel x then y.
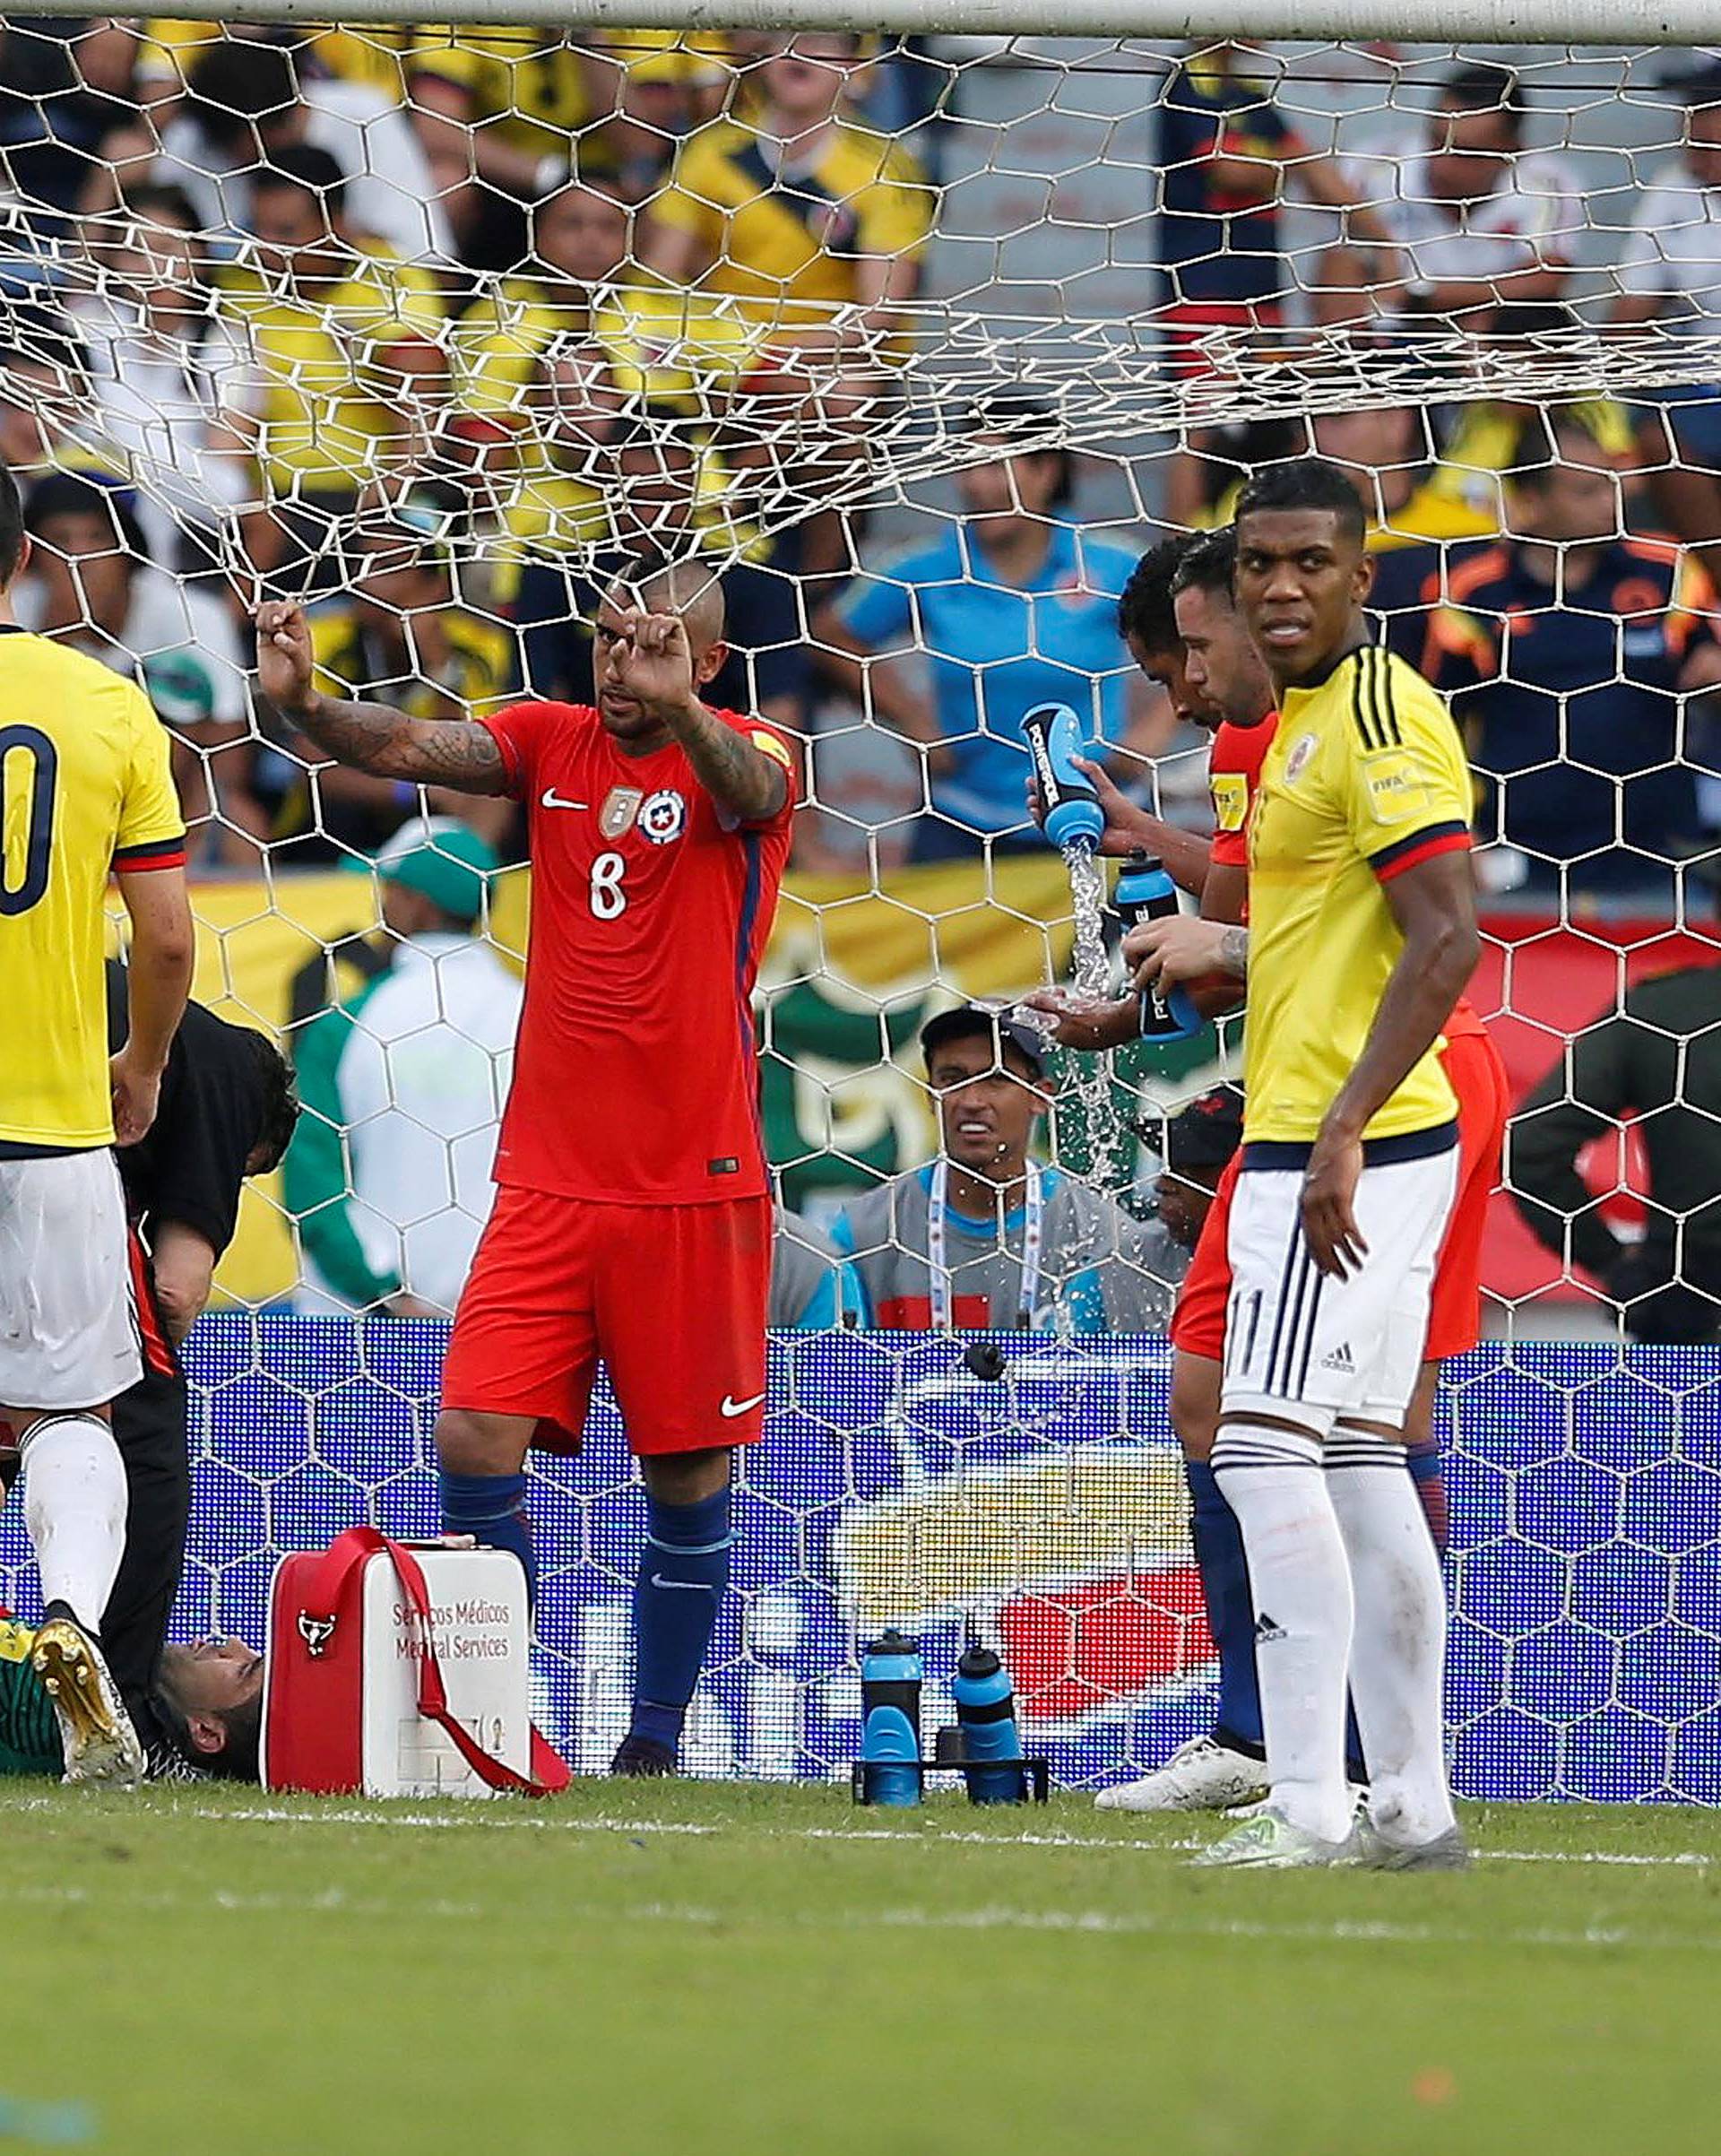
{"type": "Point", "coordinates": [401, 1669]}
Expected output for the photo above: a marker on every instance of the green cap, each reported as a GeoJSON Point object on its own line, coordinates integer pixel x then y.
{"type": "Point", "coordinates": [443, 859]}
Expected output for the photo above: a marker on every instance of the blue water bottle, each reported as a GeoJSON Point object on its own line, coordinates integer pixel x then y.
{"type": "Point", "coordinates": [986, 1713]}
{"type": "Point", "coordinates": [1070, 810]}
{"type": "Point", "coordinates": [890, 1725]}
{"type": "Point", "coordinates": [1145, 892]}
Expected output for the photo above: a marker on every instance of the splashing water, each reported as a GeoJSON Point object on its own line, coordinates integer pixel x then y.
{"type": "Point", "coordinates": [1091, 976]}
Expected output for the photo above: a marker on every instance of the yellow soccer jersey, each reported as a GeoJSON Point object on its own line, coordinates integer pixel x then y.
{"type": "Point", "coordinates": [531, 88]}
{"type": "Point", "coordinates": [172, 45]}
{"type": "Point", "coordinates": [1366, 777]}
{"type": "Point", "coordinates": [85, 787]}
{"type": "Point", "coordinates": [787, 247]}
{"type": "Point", "coordinates": [668, 347]}
{"type": "Point", "coordinates": [319, 380]}
{"type": "Point", "coordinates": [475, 672]}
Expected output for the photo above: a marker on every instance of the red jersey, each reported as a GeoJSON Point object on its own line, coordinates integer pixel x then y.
{"type": "Point", "coordinates": [1234, 764]}
{"type": "Point", "coordinates": [635, 1075]}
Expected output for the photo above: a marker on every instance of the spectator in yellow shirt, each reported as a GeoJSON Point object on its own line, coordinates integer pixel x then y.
{"type": "Point", "coordinates": [503, 114]}
{"type": "Point", "coordinates": [523, 344]}
{"type": "Point", "coordinates": [371, 56]}
{"type": "Point", "coordinates": [816, 225]}
{"type": "Point", "coordinates": [400, 638]}
{"type": "Point", "coordinates": [340, 359]}
{"type": "Point", "coordinates": [813, 229]}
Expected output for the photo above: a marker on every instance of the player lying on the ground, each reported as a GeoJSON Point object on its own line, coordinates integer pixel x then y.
{"type": "Point", "coordinates": [225, 1112]}
{"type": "Point", "coordinates": [1183, 629]}
{"type": "Point", "coordinates": [632, 1223]}
{"type": "Point", "coordinates": [206, 1707]}
{"type": "Point", "coordinates": [88, 791]}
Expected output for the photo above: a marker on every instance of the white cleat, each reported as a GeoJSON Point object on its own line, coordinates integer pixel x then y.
{"type": "Point", "coordinates": [1269, 1842]}
{"type": "Point", "coordinates": [1201, 1776]}
{"type": "Point", "coordinates": [96, 1737]}
{"type": "Point", "coordinates": [1367, 1848]}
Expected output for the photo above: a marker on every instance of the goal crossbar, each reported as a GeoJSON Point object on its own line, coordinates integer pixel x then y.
{"type": "Point", "coordinates": [1630, 24]}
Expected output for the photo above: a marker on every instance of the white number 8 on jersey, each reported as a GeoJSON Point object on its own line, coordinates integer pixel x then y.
{"type": "Point", "coordinates": [608, 900]}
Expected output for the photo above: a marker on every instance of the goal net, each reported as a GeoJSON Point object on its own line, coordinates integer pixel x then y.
{"type": "Point", "coordinates": [917, 342]}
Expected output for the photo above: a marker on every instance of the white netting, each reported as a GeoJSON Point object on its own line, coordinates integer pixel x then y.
{"type": "Point", "coordinates": [919, 342]}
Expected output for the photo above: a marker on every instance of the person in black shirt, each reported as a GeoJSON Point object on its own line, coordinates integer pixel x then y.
{"type": "Point", "coordinates": [226, 1111]}
{"type": "Point", "coordinates": [1659, 1060]}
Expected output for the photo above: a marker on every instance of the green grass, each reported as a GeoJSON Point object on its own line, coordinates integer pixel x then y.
{"type": "Point", "coordinates": [769, 1971]}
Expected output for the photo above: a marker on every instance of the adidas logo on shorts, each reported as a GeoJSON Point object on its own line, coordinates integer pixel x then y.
{"type": "Point", "coordinates": [1339, 1359]}
{"type": "Point", "coordinates": [1265, 1630]}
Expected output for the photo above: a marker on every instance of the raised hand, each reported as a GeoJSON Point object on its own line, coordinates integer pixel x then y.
{"type": "Point", "coordinates": [284, 661]}
{"type": "Point", "coordinates": [655, 662]}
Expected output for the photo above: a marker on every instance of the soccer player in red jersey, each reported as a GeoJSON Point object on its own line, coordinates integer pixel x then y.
{"type": "Point", "coordinates": [633, 1219]}
{"type": "Point", "coordinates": [1184, 632]}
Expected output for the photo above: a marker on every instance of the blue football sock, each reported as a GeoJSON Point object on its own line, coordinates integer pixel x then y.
{"type": "Point", "coordinates": [1230, 1611]}
{"type": "Point", "coordinates": [683, 1576]}
{"type": "Point", "coordinates": [1428, 1472]}
{"type": "Point", "coordinates": [492, 1510]}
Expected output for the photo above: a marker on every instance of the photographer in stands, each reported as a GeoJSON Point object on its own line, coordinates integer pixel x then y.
{"type": "Point", "coordinates": [984, 1239]}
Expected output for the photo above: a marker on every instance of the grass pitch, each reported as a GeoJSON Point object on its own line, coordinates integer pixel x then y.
{"type": "Point", "coordinates": [709, 1970]}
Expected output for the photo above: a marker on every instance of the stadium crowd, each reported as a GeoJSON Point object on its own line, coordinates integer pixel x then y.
{"type": "Point", "coordinates": [448, 329]}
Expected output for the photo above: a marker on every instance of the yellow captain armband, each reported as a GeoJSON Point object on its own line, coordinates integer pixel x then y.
{"type": "Point", "coordinates": [772, 746]}
{"type": "Point", "coordinates": [1230, 792]}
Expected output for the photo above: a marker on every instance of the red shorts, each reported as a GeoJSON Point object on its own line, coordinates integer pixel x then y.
{"type": "Point", "coordinates": [1478, 1077]}
{"type": "Point", "coordinates": [1199, 1320]}
{"type": "Point", "coordinates": [670, 1299]}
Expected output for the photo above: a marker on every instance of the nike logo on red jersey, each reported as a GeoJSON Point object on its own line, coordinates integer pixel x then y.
{"type": "Point", "coordinates": [732, 1407]}
{"type": "Point", "coordinates": [552, 800]}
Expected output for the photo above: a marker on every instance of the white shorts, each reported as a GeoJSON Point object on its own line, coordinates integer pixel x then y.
{"type": "Point", "coordinates": [1307, 1347]}
{"type": "Point", "coordinates": [68, 1332]}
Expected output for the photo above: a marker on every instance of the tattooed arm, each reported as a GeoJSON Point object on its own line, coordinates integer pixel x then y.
{"type": "Point", "coordinates": [736, 774]}
{"type": "Point", "coordinates": [427, 752]}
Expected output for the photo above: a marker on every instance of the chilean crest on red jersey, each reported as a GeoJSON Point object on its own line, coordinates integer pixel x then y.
{"type": "Point", "coordinates": [635, 1073]}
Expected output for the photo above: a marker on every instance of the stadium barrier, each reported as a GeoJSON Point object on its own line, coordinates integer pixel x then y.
{"type": "Point", "coordinates": [1047, 1510]}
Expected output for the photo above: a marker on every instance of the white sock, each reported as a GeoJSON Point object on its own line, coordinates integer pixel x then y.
{"type": "Point", "coordinates": [1399, 1655]}
{"type": "Point", "coordinates": [1273, 1481]}
{"type": "Point", "coordinates": [74, 1507]}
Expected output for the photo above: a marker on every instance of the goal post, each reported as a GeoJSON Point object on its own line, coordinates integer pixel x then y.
{"type": "Point", "coordinates": [510, 329]}
{"type": "Point", "coordinates": [1642, 22]}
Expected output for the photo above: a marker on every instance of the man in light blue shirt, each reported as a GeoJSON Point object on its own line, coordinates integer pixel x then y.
{"type": "Point", "coordinates": [1011, 608]}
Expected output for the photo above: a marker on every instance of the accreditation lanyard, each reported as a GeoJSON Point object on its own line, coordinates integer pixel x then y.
{"type": "Point", "coordinates": [938, 1260]}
